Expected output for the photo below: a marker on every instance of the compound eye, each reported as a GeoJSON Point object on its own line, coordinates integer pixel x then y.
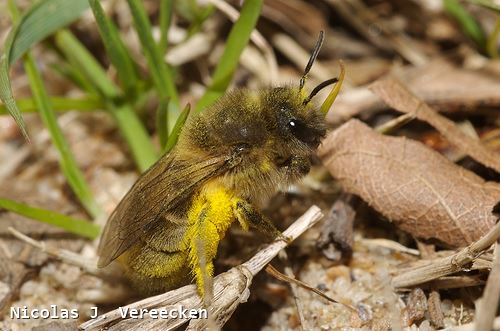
{"type": "Point", "coordinates": [301, 131]}
{"type": "Point", "coordinates": [241, 147]}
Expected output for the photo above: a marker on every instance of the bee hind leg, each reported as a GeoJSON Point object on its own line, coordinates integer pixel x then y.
{"type": "Point", "coordinates": [203, 242]}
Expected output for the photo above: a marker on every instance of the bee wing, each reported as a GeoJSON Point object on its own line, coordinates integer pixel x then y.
{"type": "Point", "coordinates": [158, 191]}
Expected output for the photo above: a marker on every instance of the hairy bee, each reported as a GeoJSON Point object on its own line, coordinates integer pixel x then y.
{"type": "Point", "coordinates": [244, 148]}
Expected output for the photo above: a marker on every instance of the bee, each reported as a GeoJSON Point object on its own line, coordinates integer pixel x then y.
{"type": "Point", "coordinates": [228, 159]}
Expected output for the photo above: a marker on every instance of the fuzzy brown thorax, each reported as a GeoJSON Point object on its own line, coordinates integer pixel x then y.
{"type": "Point", "coordinates": [268, 136]}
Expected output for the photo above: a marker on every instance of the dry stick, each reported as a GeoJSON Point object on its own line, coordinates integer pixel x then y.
{"type": "Point", "coordinates": [450, 264]}
{"type": "Point", "coordinates": [390, 244]}
{"type": "Point", "coordinates": [88, 265]}
{"type": "Point", "coordinates": [264, 256]}
{"type": "Point", "coordinates": [483, 262]}
{"type": "Point", "coordinates": [196, 46]}
{"type": "Point", "coordinates": [395, 123]}
{"type": "Point", "coordinates": [275, 273]}
{"type": "Point", "coordinates": [111, 274]}
{"type": "Point", "coordinates": [227, 294]}
{"type": "Point", "coordinates": [488, 304]}
{"type": "Point", "coordinates": [450, 282]}
{"type": "Point", "coordinates": [304, 326]}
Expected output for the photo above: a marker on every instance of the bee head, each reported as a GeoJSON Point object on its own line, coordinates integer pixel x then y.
{"type": "Point", "coordinates": [300, 124]}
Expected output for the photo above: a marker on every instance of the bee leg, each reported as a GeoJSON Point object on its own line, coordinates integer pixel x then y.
{"type": "Point", "coordinates": [203, 243]}
{"type": "Point", "coordinates": [247, 216]}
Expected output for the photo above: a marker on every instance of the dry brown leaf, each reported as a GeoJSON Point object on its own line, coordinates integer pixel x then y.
{"type": "Point", "coordinates": [444, 86]}
{"type": "Point", "coordinates": [449, 87]}
{"type": "Point", "coordinates": [397, 96]}
{"type": "Point", "coordinates": [420, 190]}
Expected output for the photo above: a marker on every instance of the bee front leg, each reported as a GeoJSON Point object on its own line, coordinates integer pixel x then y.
{"type": "Point", "coordinates": [247, 216]}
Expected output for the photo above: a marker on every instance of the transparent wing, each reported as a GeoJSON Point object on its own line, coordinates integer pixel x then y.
{"type": "Point", "coordinates": [159, 191]}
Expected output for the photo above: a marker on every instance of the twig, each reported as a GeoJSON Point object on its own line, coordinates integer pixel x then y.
{"type": "Point", "coordinates": [198, 45]}
{"type": "Point", "coordinates": [64, 255]}
{"type": "Point", "coordinates": [488, 304]}
{"type": "Point", "coordinates": [275, 273]}
{"type": "Point", "coordinates": [264, 256]}
{"type": "Point", "coordinates": [230, 289]}
{"type": "Point", "coordinates": [450, 264]}
{"type": "Point", "coordinates": [451, 282]}
{"type": "Point", "coordinates": [480, 263]}
{"type": "Point", "coordinates": [304, 326]}
{"type": "Point", "coordinates": [87, 265]}
{"type": "Point", "coordinates": [392, 245]}
{"type": "Point", "coordinates": [395, 123]}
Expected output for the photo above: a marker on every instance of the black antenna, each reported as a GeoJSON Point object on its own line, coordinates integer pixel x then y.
{"type": "Point", "coordinates": [313, 57]}
{"type": "Point", "coordinates": [319, 88]}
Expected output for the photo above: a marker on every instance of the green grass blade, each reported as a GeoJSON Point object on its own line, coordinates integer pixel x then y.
{"type": "Point", "coordinates": [68, 164]}
{"type": "Point", "coordinates": [162, 122]}
{"type": "Point", "coordinates": [115, 48]}
{"type": "Point", "coordinates": [491, 41]}
{"type": "Point", "coordinates": [41, 20]}
{"type": "Point", "coordinates": [135, 135]}
{"type": "Point", "coordinates": [469, 24]}
{"type": "Point", "coordinates": [65, 70]}
{"type": "Point", "coordinates": [160, 72]}
{"type": "Point", "coordinates": [195, 13]}
{"type": "Point", "coordinates": [80, 58]}
{"type": "Point", "coordinates": [86, 104]}
{"type": "Point", "coordinates": [7, 97]}
{"type": "Point", "coordinates": [491, 44]}
{"type": "Point", "coordinates": [166, 11]}
{"type": "Point", "coordinates": [176, 131]}
{"type": "Point", "coordinates": [129, 124]}
{"type": "Point", "coordinates": [237, 40]}
{"type": "Point", "coordinates": [73, 225]}
{"type": "Point", "coordinates": [487, 4]}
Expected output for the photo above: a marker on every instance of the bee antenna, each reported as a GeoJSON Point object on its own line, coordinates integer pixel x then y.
{"type": "Point", "coordinates": [319, 88]}
{"type": "Point", "coordinates": [313, 57]}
